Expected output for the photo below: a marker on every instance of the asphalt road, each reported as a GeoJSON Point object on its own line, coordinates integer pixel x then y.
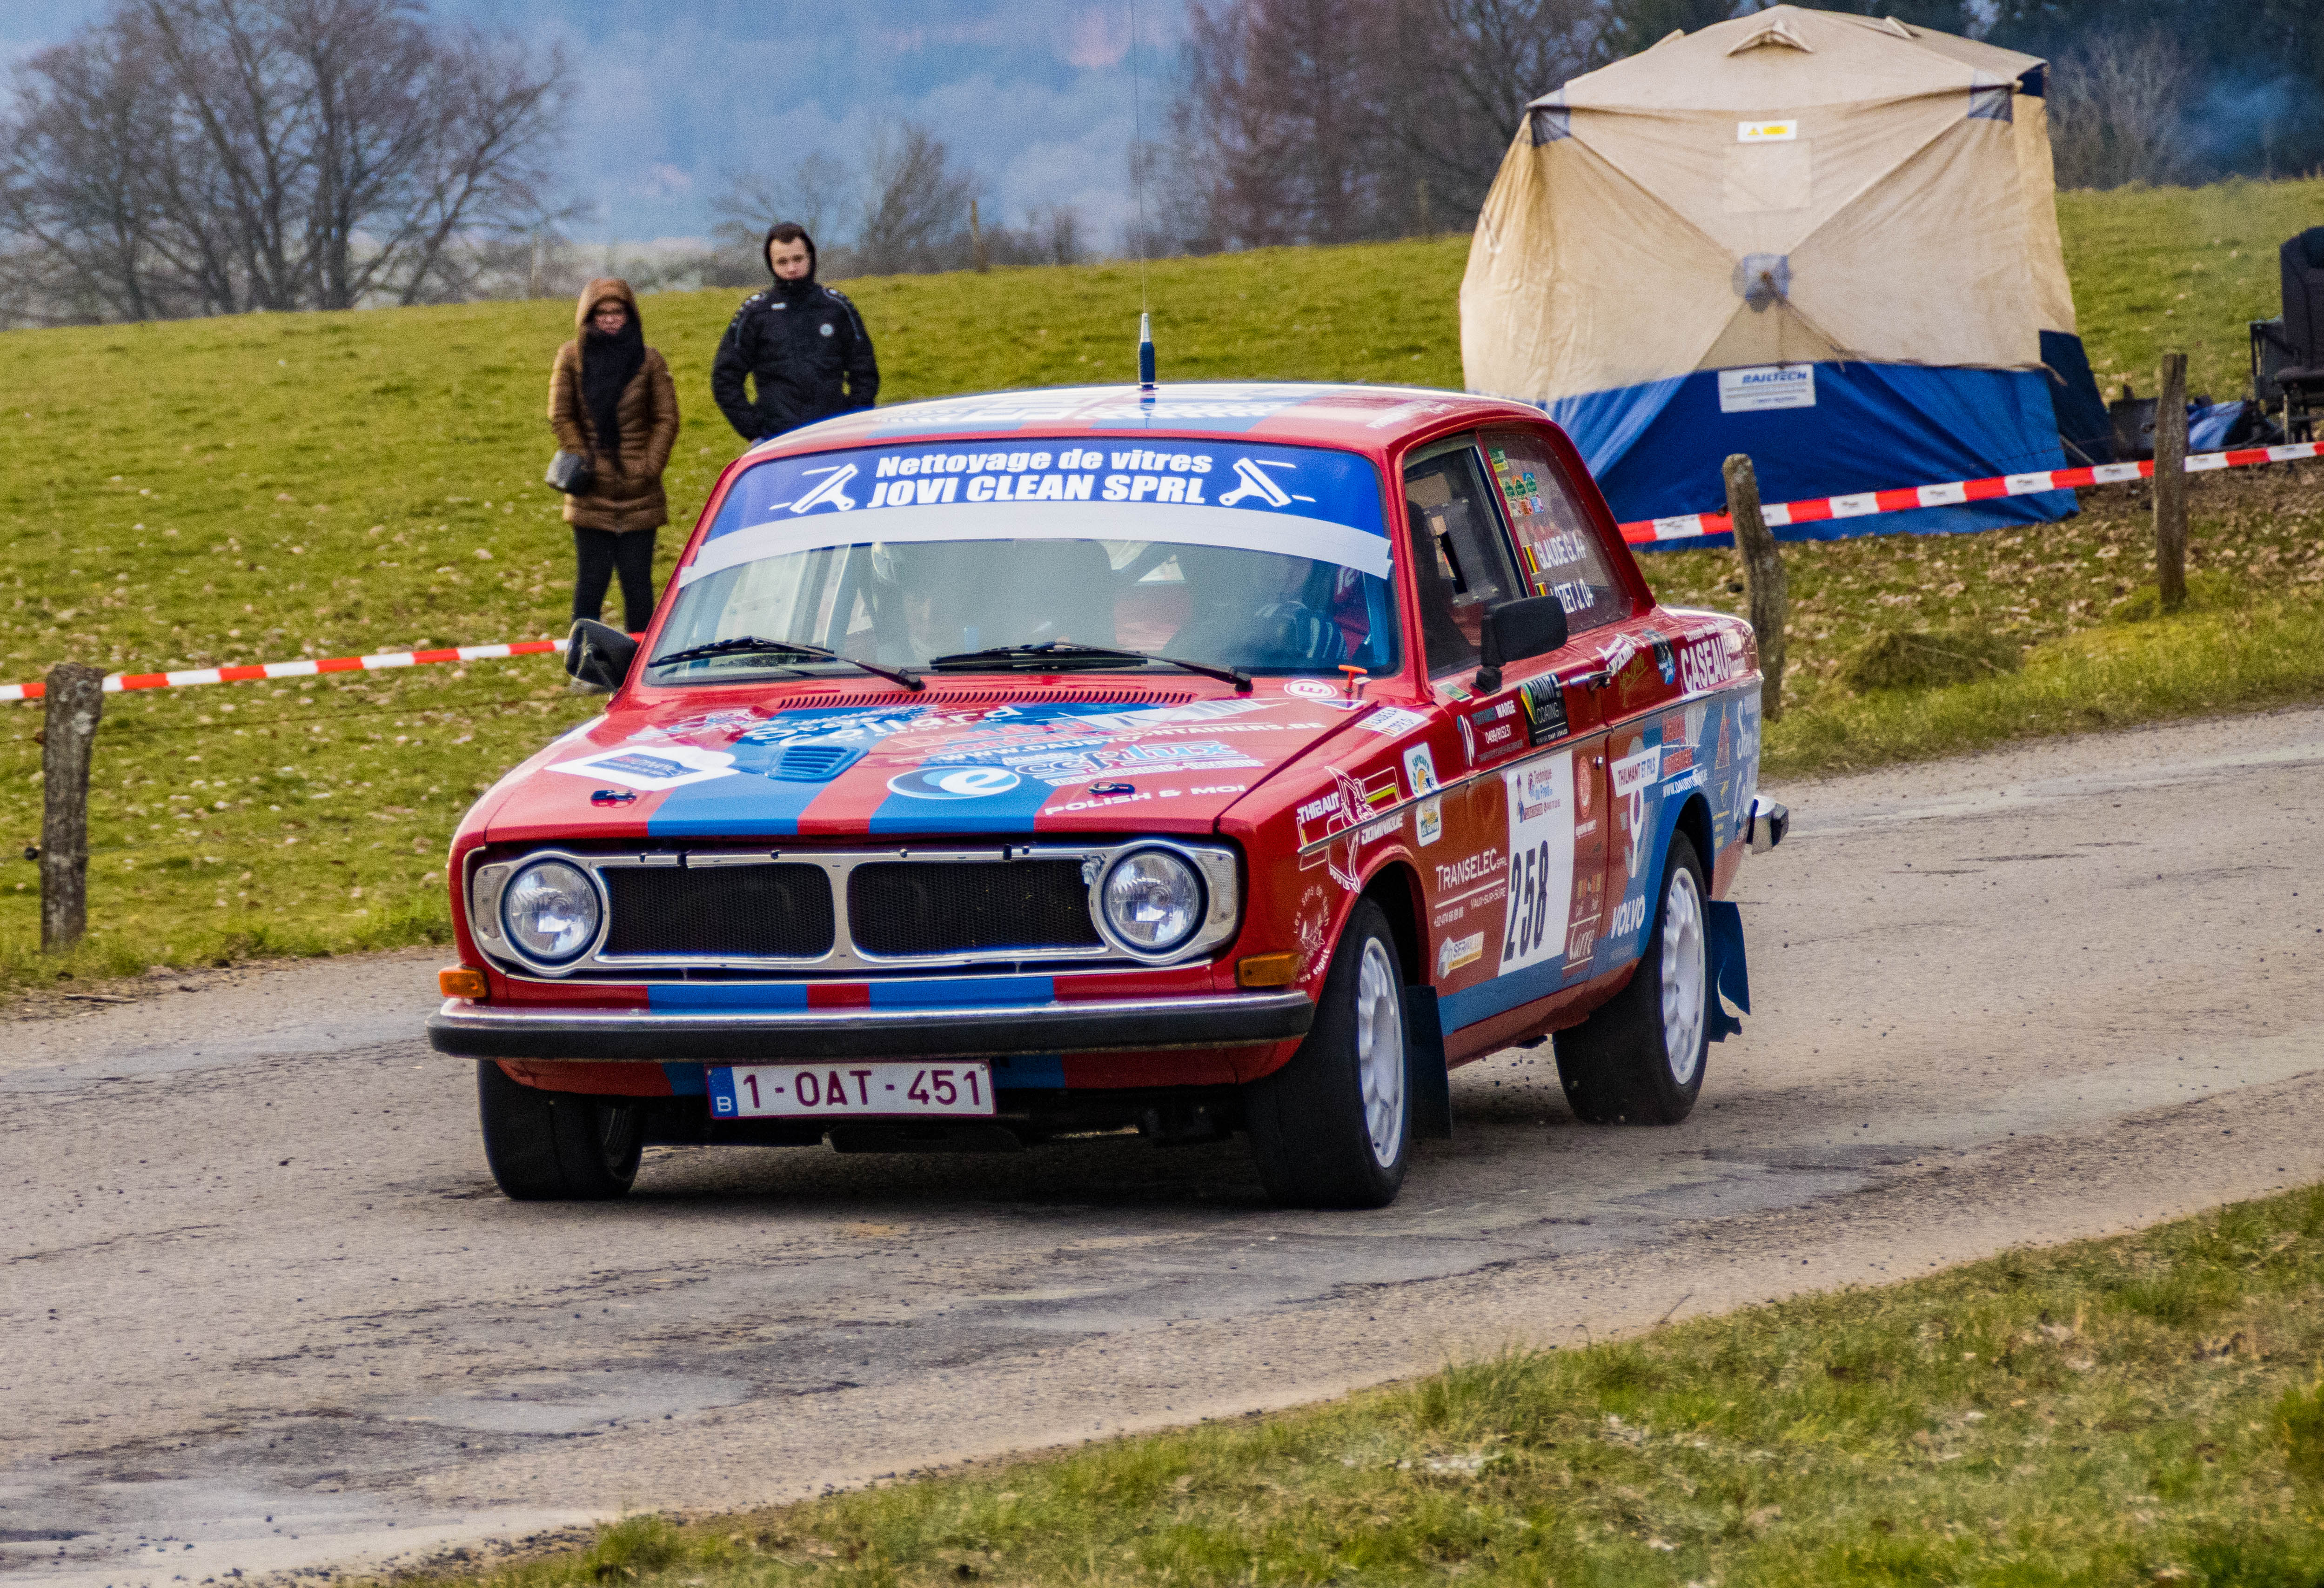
{"type": "Point", "coordinates": [263, 1309]}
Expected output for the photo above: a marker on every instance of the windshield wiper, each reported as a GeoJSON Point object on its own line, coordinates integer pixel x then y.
{"type": "Point", "coordinates": [750, 645]}
{"type": "Point", "coordinates": [1068, 654]}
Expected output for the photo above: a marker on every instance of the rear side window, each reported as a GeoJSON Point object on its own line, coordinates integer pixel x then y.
{"type": "Point", "coordinates": [1460, 562]}
{"type": "Point", "coordinates": [1562, 552]}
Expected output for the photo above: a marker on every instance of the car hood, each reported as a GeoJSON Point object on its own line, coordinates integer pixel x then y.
{"type": "Point", "coordinates": [967, 762]}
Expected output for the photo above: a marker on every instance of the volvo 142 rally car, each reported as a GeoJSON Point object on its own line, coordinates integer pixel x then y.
{"type": "Point", "coordinates": [1209, 759]}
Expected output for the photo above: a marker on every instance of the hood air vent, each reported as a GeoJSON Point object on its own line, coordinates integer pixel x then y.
{"type": "Point", "coordinates": [814, 763]}
{"type": "Point", "coordinates": [934, 697]}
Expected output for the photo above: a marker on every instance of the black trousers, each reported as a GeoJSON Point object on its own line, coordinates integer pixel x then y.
{"type": "Point", "coordinates": [600, 554]}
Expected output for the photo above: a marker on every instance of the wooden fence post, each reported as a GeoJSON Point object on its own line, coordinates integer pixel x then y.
{"type": "Point", "coordinates": [2171, 485]}
{"type": "Point", "coordinates": [74, 701]}
{"type": "Point", "coordinates": [1763, 577]}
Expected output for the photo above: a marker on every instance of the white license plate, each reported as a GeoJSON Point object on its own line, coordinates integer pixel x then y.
{"type": "Point", "coordinates": [839, 1091]}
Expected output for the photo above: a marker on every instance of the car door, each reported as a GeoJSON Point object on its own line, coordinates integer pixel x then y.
{"type": "Point", "coordinates": [1524, 865]}
{"type": "Point", "coordinates": [1562, 552]}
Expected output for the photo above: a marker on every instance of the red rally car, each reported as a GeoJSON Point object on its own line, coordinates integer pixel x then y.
{"type": "Point", "coordinates": [1209, 759]}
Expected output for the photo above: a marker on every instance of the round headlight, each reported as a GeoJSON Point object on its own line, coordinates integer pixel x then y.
{"type": "Point", "coordinates": [550, 910]}
{"type": "Point", "coordinates": [1153, 900]}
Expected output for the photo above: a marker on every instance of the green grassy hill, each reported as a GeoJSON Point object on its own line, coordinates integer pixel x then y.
{"type": "Point", "coordinates": [267, 486]}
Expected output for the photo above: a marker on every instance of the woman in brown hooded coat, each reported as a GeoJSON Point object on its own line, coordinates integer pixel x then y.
{"type": "Point", "coordinates": [611, 399]}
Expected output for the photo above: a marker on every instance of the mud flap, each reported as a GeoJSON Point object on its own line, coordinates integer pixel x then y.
{"type": "Point", "coordinates": [1730, 978]}
{"type": "Point", "coordinates": [1425, 1078]}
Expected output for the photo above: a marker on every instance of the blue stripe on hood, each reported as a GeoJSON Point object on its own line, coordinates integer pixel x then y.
{"type": "Point", "coordinates": [755, 803]}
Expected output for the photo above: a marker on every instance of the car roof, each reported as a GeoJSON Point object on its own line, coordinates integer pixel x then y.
{"type": "Point", "coordinates": [1368, 418]}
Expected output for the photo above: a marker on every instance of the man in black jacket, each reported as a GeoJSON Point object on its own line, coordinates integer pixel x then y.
{"type": "Point", "coordinates": [801, 342]}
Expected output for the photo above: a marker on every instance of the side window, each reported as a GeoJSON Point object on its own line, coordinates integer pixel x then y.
{"type": "Point", "coordinates": [1460, 561]}
{"type": "Point", "coordinates": [1562, 556]}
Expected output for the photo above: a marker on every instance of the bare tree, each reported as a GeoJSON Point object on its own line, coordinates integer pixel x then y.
{"type": "Point", "coordinates": [1277, 134]}
{"type": "Point", "coordinates": [206, 156]}
{"type": "Point", "coordinates": [815, 191]}
{"type": "Point", "coordinates": [74, 167]}
{"type": "Point", "coordinates": [904, 209]}
{"type": "Point", "coordinates": [2117, 105]}
{"type": "Point", "coordinates": [914, 207]}
{"type": "Point", "coordinates": [1325, 121]}
{"type": "Point", "coordinates": [1468, 69]}
{"type": "Point", "coordinates": [1053, 231]}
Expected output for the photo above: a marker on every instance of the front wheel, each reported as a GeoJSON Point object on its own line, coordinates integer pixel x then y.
{"type": "Point", "coordinates": [1639, 1059]}
{"type": "Point", "coordinates": [1330, 1128]}
{"type": "Point", "coordinates": [558, 1145]}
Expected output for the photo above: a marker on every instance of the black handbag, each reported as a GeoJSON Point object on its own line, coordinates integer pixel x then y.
{"type": "Point", "coordinates": [569, 472]}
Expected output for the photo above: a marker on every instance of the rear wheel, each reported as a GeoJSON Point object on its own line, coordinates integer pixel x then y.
{"type": "Point", "coordinates": [558, 1145]}
{"type": "Point", "coordinates": [1639, 1059]}
{"type": "Point", "coordinates": [1330, 1128]}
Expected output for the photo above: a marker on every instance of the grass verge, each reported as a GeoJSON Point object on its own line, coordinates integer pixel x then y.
{"type": "Point", "coordinates": [2140, 1409]}
{"type": "Point", "coordinates": [2258, 652]}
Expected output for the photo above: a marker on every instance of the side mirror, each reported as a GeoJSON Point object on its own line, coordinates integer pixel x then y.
{"type": "Point", "coordinates": [599, 653]}
{"type": "Point", "coordinates": [1533, 625]}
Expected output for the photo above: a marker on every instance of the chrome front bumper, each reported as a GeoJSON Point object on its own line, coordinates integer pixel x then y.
{"type": "Point", "coordinates": [473, 1030]}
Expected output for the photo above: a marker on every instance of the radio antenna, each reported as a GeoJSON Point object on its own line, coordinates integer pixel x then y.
{"type": "Point", "coordinates": [1137, 188]}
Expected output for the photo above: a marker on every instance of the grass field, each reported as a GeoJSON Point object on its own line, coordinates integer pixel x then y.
{"type": "Point", "coordinates": [270, 487]}
{"type": "Point", "coordinates": [2139, 1410]}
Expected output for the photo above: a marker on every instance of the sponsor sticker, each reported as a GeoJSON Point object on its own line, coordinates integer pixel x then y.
{"type": "Point", "coordinates": [1544, 699]}
{"type": "Point", "coordinates": [664, 766]}
{"type": "Point", "coordinates": [1708, 664]}
{"type": "Point", "coordinates": [1420, 777]}
{"type": "Point", "coordinates": [1456, 952]}
{"type": "Point", "coordinates": [953, 782]}
{"type": "Point", "coordinates": [1420, 771]}
{"type": "Point", "coordinates": [1343, 810]}
{"type": "Point", "coordinates": [1492, 730]}
{"type": "Point", "coordinates": [1766, 387]}
{"type": "Point", "coordinates": [1636, 771]}
{"type": "Point", "coordinates": [1311, 689]}
{"type": "Point", "coordinates": [1390, 720]}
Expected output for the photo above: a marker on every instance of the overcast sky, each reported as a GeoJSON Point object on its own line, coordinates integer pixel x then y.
{"type": "Point", "coordinates": [673, 95]}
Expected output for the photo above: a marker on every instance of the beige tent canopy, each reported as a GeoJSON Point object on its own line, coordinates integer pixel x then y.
{"type": "Point", "coordinates": [1829, 241]}
{"type": "Point", "coordinates": [1792, 186]}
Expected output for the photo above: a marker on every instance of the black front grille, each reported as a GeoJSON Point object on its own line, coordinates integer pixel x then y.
{"type": "Point", "coordinates": [760, 911]}
{"type": "Point", "coordinates": [970, 907]}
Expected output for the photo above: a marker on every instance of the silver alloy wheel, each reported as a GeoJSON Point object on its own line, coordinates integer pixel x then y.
{"type": "Point", "coordinates": [1683, 971]}
{"type": "Point", "coordinates": [1380, 1051]}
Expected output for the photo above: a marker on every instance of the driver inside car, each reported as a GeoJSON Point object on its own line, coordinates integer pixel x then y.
{"type": "Point", "coordinates": [1255, 608]}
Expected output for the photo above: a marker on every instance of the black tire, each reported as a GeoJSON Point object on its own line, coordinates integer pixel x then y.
{"type": "Point", "coordinates": [558, 1145]}
{"type": "Point", "coordinates": [1619, 1067]}
{"type": "Point", "coordinates": [1312, 1128]}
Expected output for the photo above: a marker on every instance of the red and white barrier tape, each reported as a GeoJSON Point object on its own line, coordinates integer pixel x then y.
{"type": "Point", "coordinates": [1688, 526]}
{"type": "Point", "coordinates": [115, 683]}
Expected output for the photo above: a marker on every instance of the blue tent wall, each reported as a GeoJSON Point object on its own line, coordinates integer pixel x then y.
{"type": "Point", "coordinates": [1656, 449]}
{"type": "Point", "coordinates": [2084, 432]}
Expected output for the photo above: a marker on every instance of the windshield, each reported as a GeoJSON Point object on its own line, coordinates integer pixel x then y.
{"type": "Point", "coordinates": [1269, 560]}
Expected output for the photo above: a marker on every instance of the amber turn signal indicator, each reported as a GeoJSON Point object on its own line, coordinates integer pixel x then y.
{"type": "Point", "coordinates": [462, 981]}
{"type": "Point", "coordinates": [1266, 970]}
